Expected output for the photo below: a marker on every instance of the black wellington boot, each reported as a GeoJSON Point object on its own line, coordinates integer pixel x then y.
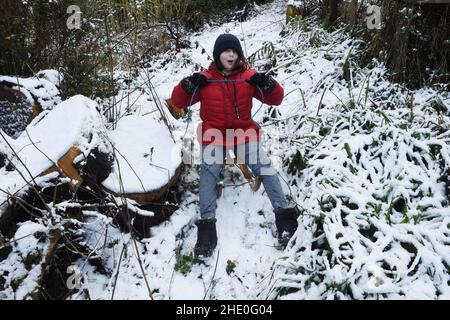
{"type": "Point", "coordinates": [206, 238]}
{"type": "Point", "coordinates": [286, 222]}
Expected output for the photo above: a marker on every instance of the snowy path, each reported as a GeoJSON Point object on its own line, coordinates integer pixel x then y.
{"type": "Point", "coordinates": [245, 221]}
{"type": "Point", "coordinates": [245, 238]}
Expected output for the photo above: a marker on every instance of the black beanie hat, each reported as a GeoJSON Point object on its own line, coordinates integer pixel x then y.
{"type": "Point", "coordinates": [226, 41]}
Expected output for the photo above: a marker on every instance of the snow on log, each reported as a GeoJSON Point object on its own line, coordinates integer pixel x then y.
{"type": "Point", "coordinates": [54, 141]}
{"type": "Point", "coordinates": [22, 99]}
{"type": "Point", "coordinates": [147, 161]}
{"type": "Point", "coordinates": [41, 88]}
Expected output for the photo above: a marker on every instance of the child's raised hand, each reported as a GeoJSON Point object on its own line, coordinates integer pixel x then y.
{"type": "Point", "coordinates": [197, 80]}
{"type": "Point", "coordinates": [263, 81]}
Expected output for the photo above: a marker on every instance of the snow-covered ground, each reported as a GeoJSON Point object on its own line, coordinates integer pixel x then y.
{"type": "Point", "coordinates": [313, 120]}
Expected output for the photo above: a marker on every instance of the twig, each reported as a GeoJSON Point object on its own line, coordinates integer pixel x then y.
{"type": "Point", "coordinates": [109, 51]}
{"type": "Point", "coordinates": [159, 105]}
{"type": "Point", "coordinates": [131, 167]}
{"type": "Point", "coordinates": [243, 36]}
{"type": "Point", "coordinates": [320, 102]}
{"type": "Point", "coordinates": [8, 243]}
{"type": "Point", "coordinates": [123, 98]}
{"type": "Point", "coordinates": [117, 273]}
{"type": "Point", "coordinates": [214, 274]}
{"type": "Point", "coordinates": [138, 256]}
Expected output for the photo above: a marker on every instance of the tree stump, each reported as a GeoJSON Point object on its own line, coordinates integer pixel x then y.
{"type": "Point", "coordinates": [295, 9]}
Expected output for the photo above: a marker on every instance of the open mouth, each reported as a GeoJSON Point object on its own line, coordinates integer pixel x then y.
{"type": "Point", "coordinates": [230, 61]}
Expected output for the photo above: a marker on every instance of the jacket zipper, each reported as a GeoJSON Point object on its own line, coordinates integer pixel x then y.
{"type": "Point", "coordinates": [236, 108]}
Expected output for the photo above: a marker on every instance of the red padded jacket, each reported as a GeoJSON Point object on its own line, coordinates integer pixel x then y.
{"type": "Point", "coordinates": [227, 105]}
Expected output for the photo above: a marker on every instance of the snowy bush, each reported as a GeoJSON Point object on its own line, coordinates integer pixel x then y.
{"type": "Point", "coordinates": [371, 176]}
{"type": "Point", "coordinates": [376, 219]}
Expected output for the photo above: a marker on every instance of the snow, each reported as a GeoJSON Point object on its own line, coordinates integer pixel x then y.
{"type": "Point", "coordinates": [43, 87]}
{"type": "Point", "coordinates": [25, 242]}
{"type": "Point", "coordinates": [51, 75]}
{"type": "Point", "coordinates": [56, 131]}
{"type": "Point", "coordinates": [296, 3]}
{"type": "Point", "coordinates": [28, 247]}
{"type": "Point", "coordinates": [147, 157]}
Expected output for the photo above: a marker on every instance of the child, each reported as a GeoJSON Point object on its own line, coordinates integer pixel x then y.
{"type": "Point", "coordinates": [225, 92]}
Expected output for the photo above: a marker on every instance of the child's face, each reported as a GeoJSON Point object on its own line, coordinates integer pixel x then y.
{"type": "Point", "coordinates": [228, 59]}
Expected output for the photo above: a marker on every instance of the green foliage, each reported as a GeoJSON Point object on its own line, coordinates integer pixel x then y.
{"type": "Point", "coordinates": [353, 169]}
{"type": "Point", "coordinates": [283, 291]}
{"type": "Point", "coordinates": [400, 204]}
{"type": "Point", "coordinates": [185, 262]}
{"type": "Point", "coordinates": [315, 40]}
{"type": "Point", "coordinates": [264, 58]}
{"type": "Point", "coordinates": [385, 117]}
{"type": "Point", "coordinates": [36, 37]}
{"type": "Point", "coordinates": [298, 23]}
{"type": "Point", "coordinates": [231, 265]}
{"type": "Point", "coordinates": [347, 150]}
{"type": "Point", "coordinates": [324, 131]}
{"type": "Point", "coordinates": [413, 42]}
{"type": "Point", "coordinates": [327, 203]}
{"type": "Point", "coordinates": [346, 70]}
{"type": "Point", "coordinates": [377, 207]}
{"type": "Point", "coordinates": [296, 163]}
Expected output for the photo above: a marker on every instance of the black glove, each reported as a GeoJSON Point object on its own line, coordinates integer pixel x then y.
{"type": "Point", "coordinates": [263, 81]}
{"type": "Point", "coordinates": [196, 80]}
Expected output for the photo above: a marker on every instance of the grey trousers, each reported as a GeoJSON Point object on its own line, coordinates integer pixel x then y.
{"type": "Point", "coordinates": [256, 159]}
